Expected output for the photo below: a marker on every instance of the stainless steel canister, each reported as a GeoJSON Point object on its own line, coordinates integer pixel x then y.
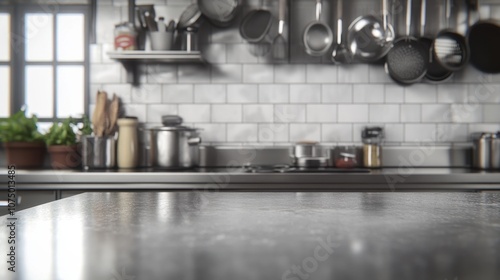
{"type": "Point", "coordinates": [495, 151]}
{"type": "Point", "coordinates": [98, 152]}
{"type": "Point", "coordinates": [482, 150]}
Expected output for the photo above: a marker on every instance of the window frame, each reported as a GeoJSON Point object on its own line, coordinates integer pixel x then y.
{"type": "Point", "coordinates": [10, 10]}
{"type": "Point", "coordinates": [18, 55]}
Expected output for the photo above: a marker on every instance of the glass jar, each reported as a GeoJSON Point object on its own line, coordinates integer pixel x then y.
{"type": "Point", "coordinates": [372, 146]}
{"type": "Point", "coordinates": [346, 157]}
{"type": "Point", "coordinates": [125, 37]}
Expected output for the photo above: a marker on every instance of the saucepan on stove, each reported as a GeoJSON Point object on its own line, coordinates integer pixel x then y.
{"type": "Point", "coordinates": [309, 154]}
{"type": "Point", "coordinates": [173, 146]}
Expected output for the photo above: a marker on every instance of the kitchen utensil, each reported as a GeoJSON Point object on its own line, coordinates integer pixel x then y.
{"type": "Point", "coordinates": [372, 146]}
{"type": "Point", "coordinates": [340, 52]}
{"type": "Point", "coordinates": [318, 36]}
{"type": "Point", "coordinates": [99, 115]}
{"type": "Point", "coordinates": [370, 38]}
{"type": "Point", "coordinates": [128, 153]}
{"type": "Point", "coordinates": [190, 39]}
{"type": "Point", "coordinates": [255, 25]}
{"type": "Point", "coordinates": [220, 12]}
{"type": "Point", "coordinates": [171, 26]}
{"type": "Point", "coordinates": [484, 42]}
{"type": "Point", "coordinates": [150, 22]}
{"type": "Point", "coordinates": [312, 162]}
{"type": "Point", "coordinates": [161, 41]}
{"type": "Point", "coordinates": [141, 11]}
{"type": "Point", "coordinates": [189, 17]}
{"type": "Point", "coordinates": [435, 72]}
{"type": "Point", "coordinates": [407, 60]}
{"type": "Point", "coordinates": [98, 152]}
{"type": "Point", "coordinates": [112, 113]}
{"type": "Point", "coordinates": [280, 46]}
{"type": "Point", "coordinates": [450, 48]}
{"type": "Point", "coordinates": [174, 146]}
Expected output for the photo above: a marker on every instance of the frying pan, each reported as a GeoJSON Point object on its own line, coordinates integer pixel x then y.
{"type": "Point", "coordinates": [370, 38]}
{"type": "Point", "coordinates": [255, 25]}
{"type": "Point", "coordinates": [407, 60]}
{"type": "Point", "coordinates": [219, 12]}
{"type": "Point", "coordinates": [484, 43]}
{"type": "Point", "coordinates": [318, 36]}
{"type": "Point", "coordinates": [450, 48]}
{"type": "Point", "coordinates": [435, 72]}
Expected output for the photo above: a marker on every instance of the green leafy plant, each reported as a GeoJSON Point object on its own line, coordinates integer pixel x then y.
{"type": "Point", "coordinates": [19, 128]}
{"type": "Point", "coordinates": [61, 133]}
{"type": "Point", "coordinates": [87, 127]}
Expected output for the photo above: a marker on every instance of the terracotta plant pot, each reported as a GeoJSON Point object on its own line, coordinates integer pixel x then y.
{"type": "Point", "coordinates": [64, 157]}
{"type": "Point", "coordinates": [25, 154]}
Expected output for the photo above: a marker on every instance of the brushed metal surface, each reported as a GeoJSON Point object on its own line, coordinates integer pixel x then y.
{"type": "Point", "coordinates": [259, 236]}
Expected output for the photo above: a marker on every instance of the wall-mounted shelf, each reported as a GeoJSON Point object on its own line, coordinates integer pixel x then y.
{"type": "Point", "coordinates": [131, 59]}
{"type": "Point", "coordinates": [157, 56]}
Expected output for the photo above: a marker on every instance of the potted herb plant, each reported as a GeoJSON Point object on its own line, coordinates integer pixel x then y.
{"type": "Point", "coordinates": [23, 143]}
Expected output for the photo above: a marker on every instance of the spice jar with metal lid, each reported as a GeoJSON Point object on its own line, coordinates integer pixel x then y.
{"type": "Point", "coordinates": [372, 146]}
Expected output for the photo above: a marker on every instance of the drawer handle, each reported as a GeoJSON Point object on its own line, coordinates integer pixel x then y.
{"type": "Point", "coordinates": [5, 203]}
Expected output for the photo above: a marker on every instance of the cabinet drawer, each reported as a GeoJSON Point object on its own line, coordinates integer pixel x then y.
{"type": "Point", "coordinates": [27, 199]}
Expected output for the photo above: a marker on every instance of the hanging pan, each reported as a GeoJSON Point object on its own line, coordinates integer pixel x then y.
{"type": "Point", "coordinates": [450, 48]}
{"type": "Point", "coordinates": [407, 60]}
{"type": "Point", "coordinates": [318, 36]}
{"type": "Point", "coordinates": [484, 43]}
{"type": "Point", "coordinates": [435, 72]}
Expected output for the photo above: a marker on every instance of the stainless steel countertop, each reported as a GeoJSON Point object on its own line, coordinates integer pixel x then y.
{"type": "Point", "coordinates": [186, 235]}
{"type": "Point", "coordinates": [387, 179]}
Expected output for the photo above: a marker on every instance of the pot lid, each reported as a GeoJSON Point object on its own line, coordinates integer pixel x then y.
{"type": "Point", "coordinates": [172, 123]}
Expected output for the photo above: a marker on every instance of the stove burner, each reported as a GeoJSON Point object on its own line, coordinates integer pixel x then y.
{"type": "Point", "coordinates": [294, 169]}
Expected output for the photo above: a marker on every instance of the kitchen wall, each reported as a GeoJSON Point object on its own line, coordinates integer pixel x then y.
{"type": "Point", "coordinates": [240, 99]}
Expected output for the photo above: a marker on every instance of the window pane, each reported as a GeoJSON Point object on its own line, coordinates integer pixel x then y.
{"type": "Point", "coordinates": [70, 89]}
{"type": "Point", "coordinates": [4, 91]}
{"type": "Point", "coordinates": [70, 37]}
{"type": "Point", "coordinates": [40, 91]}
{"type": "Point", "coordinates": [39, 34]}
{"type": "Point", "coordinates": [4, 37]}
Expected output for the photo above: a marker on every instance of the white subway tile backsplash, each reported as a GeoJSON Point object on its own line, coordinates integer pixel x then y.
{"type": "Point", "coordinates": [483, 128]}
{"type": "Point", "coordinates": [290, 73]}
{"type": "Point", "coordinates": [452, 93]}
{"type": "Point", "coordinates": [305, 132]}
{"type": "Point", "coordinates": [195, 113]}
{"type": "Point", "coordinates": [154, 112]}
{"type": "Point", "coordinates": [226, 73]}
{"type": "Point", "coordinates": [178, 94]}
{"type": "Point", "coordinates": [337, 93]}
{"type": "Point", "coordinates": [420, 133]}
{"type": "Point", "coordinates": [394, 133]}
{"type": "Point", "coordinates": [274, 93]}
{"type": "Point", "coordinates": [240, 53]}
{"type": "Point", "coordinates": [452, 133]}
{"type": "Point", "coordinates": [162, 74]}
{"type": "Point", "coordinates": [411, 113]}
{"type": "Point", "coordinates": [436, 113]}
{"type": "Point", "coordinates": [258, 113]}
{"type": "Point", "coordinates": [354, 73]}
{"type": "Point", "coordinates": [193, 74]}
{"type": "Point", "coordinates": [491, 113]}
{"type": "Point", "coordinates": [352, 113]}
{"type": "Point", "coordinates": [321, 74]}
{"type": "Point", "coordinates": [214, 53]}
{"type": "Point", "coordinates": [384, 113]}
{"type": "Point", "coordinates": [336, 132]}
{"type": "Point", "coordinates": [291, 113]}
{"type": "Point", "coordinates": [394, 94]}
{"type": "Point", "coordinates": [246, 133]}
{"type": "Point", "coordinates": [242, 93]}
{"type": "Point", "coordinates": [105, 73]}
{"type": "Point", "coordinates": [466, 113]}
{"type": "Point", "coordinates": [226, 113]}
{"type": "Point", "coordinates": [212, 132]}
{"type": "Point", "coordinates": [273, 132]}
{"type": "Point", "coordinates": [151, 93]}
{"type": "Point", "coordinates": [421, 93]}
{"type": "Point", "coordinates": [322, 113]}
{"type": "Point", "coordinates": [484, 93]}
{"type": "Point", "coordinates": [305, 94]}
{"type": "Point", "coordinates": [378, 75]}
{"type": "Point", "coordinates": [209, 94]}
{"type": "Point", "coordinates": [368, 93]}
{"type": "Point", "coordinates": [136, 110]}
{"type": "Point", "coordinates": [258, 73]}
